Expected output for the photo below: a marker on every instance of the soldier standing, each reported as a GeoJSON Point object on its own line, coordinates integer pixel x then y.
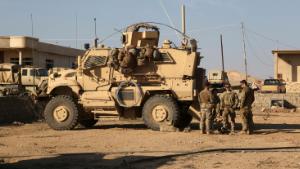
{"type": "Point", "coordinates": [215, 108]}
{"type": "Point", "coordinates": [246, 100]}
{"type": "Point", "coordinates": [229, 103]}
{"type": "Point", "coordinates": [205, 100]}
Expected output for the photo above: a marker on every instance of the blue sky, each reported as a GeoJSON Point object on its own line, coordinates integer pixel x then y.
{"type": "Point", "coordinates": [270, 24]}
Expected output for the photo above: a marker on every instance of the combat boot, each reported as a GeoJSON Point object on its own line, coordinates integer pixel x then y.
{"type": "Point", "coordinates": [249, 132]}
{"type": "Point", "coordinates": [242, 132]}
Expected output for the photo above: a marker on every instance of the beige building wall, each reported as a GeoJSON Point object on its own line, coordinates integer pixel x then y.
{"type": "Point", "coordinates": [287, 65]}
{"type": "Point", "coordinates": [39, 53]}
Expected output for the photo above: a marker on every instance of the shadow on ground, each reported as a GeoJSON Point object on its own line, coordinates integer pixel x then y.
{"type": "Point", "coordinates": [265, 128]}
{"type": "Point", "coordinates": [86, 161]}
{"type": "Point", "coordinates": [260, 128]}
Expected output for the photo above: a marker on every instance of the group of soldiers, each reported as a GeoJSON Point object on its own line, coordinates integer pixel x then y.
{"type": "Point", "coordinates": [219, 111]}
{"type": "Point", "coordinates": [128, 58]}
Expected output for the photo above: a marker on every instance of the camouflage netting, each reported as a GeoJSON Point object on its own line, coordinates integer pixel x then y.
{"type": "Point", "coordinates": [17, 109]}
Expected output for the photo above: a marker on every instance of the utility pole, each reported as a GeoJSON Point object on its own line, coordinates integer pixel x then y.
{"type": "Point", "coordinates": [31, 20]}
{"type": "Point", "coordinates": [222, 53]}
{"type": "Point", "coordinates": [183, 22]}
{"type": "Point", "coordinates": [96, 38]}
{"type": "Point", "coordinates": [244, 49]}
{"type": "Point", "coordinates": [76, 30]}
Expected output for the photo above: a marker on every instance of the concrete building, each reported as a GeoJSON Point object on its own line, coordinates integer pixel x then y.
{"type": "Point", "coordinates": [287, 65]}
{"type": "Point", "coordinates": [30, 51]}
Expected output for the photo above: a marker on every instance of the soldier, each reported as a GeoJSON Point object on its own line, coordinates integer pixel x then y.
{"type": "Point", "coordinates": [215, 107]}
{"type": "Point", "coordinates": [246, 100]}
{"type": "Point", "coordinates": [128, 60]}
{"type": "Point", "coordinates": [205, 100]}
{"type": "Point", "coordinates": [229, 103]}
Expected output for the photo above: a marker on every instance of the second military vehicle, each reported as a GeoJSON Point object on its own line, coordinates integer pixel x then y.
{"type": "Point", "coordinates": [19, 80]}
{"type": "Point", "coordinates": [217, 79]}
{"type": "Point", "coordinates": [138, 80]}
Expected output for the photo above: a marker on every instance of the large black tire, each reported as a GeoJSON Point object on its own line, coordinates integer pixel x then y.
{"type": "Point", "coordinates": [67, 102]}
{"type": "Point", "coordinates": [168, 103]}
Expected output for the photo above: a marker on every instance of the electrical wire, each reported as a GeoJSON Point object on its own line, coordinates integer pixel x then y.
{"type": "Point", "coordinates": [213, 28]}
{"type": "Point", "coordinates": [168, 16]}
{"type": "Point", "coordinates": [255, 53]}
{"type": "Point", "coordinates": [270, 39]}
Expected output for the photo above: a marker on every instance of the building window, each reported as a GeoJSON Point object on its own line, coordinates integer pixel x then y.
{"type": "Point", "coordinates": [27, 61]}
{"type": "Point", "coordinates": [49, 63]}
{"type": "Point", "coordinates": [24, 72]}
{"type": "Point", "coordinates": [14, 60]}
{"type": "Point", "coordinates": [279, 76]}
{"type": "Point", "coordinates": [1, 57]}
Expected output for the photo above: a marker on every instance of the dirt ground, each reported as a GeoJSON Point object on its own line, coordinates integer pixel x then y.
{"type": "Point", "coordinates": [128, 144]}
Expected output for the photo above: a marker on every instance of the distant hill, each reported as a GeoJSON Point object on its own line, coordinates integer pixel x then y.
{"type": "Point", "coordinates": [235, 77]}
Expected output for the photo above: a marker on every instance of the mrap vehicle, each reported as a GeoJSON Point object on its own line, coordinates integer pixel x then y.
{"type": "Point", "coordinates": [138, 80]}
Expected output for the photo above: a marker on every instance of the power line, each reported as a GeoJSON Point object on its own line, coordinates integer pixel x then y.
{"type": "Point", "coordinates": [270, 39]}
{"type": "Point", "coordinates": [213, 28]}
{"type": "Point", "coordinates": [255, 53]}
{"type": "Point", "coordinates": [168, 16]}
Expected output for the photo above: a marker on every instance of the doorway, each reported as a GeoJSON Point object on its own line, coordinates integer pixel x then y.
{"type": "Point", "coordinates": [1, 56]}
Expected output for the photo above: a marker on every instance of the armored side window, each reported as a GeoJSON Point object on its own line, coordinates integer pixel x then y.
{"type": "Point", "coordinates": [32, 72]}
{"type": "Point", "coordinates": [163, 58]}
{"type": "Point", "coordinates": [24, 72]}
{"type": "Point", "coordinates": [95, 61]}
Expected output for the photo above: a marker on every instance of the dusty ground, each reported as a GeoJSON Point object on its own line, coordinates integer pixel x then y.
{"type": "Point", "coordinates": [120, 144]}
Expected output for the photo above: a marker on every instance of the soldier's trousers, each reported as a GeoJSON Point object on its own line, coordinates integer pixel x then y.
{"type": "Point", "coordinates": [229, 116]}
{"type": "Point", "coordinates": [247, 119]}
{"type": "Point", "coordinates": [206, 118]}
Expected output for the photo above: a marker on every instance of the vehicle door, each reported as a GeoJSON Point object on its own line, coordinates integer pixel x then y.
{"type": "Point", "coordinates": [28, 77]}
{"type": "Point", "coordinates": [96, 74]}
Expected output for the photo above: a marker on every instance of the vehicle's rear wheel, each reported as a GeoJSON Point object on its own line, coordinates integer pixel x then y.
{"type": "Point", "coordinates": [159, 111]}
{"type": "Point", "coordinates": [61, 113]}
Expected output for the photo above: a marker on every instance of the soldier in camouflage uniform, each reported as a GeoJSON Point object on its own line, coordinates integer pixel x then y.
{"type": "Point", "coordinates": [127, 59]}
{"type": "Point", "coordinates": [215, 108]}
{"type": "Point", "coordinates": [246, 100]}
{"type": "Point", "coordinates": [205, 100]}
{"type": "Point", "coordinates": [229, 103]}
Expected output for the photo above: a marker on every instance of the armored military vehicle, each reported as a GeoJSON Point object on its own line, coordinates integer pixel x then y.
{"type": "Point", "coordinates": [217, 79]}
{"type": "Point", "coordinates": [18, 80]}
{"type": "Point", "coordinates": [158, 84]}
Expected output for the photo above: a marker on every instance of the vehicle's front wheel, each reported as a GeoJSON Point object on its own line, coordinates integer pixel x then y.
{"type": "Point", "coordinates": [159, 111]}
{"type": "Point", "coordinates": [61, 113]}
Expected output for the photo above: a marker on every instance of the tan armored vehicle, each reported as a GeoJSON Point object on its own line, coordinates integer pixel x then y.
{"type": "Point", "coordinates": [217, 79]}
{"type": "Point", "coordinates": [138, 80]}
{"type": "Point", "coordinates": [18, 80]}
